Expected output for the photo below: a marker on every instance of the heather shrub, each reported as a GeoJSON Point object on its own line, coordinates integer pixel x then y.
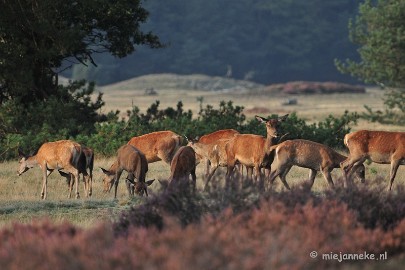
{"type": "Point", "coordinates": [271, 235]}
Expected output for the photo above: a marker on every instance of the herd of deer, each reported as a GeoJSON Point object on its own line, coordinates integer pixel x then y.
{"type": "Point", "coordinates": [225, 148]}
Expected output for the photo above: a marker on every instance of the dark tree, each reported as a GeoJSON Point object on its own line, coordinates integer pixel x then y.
{"type": "Point", "coordinates": [39, 39]}
{"type": "Point", "coordinates": [379, 31]}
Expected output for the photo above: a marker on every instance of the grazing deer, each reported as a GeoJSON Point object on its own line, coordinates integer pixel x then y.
{"type": "Point", "coordinates": [64, 154]}
{"type": "Point", "coordinates": [307, 154]}
{"type": "Point", "coordinates": [381, 147]}
{"type": "Point", "coordinates": [182, 166]}
{"type": "Point", "coordinates": [213, 153]}
{"type": "Point", "coordinates": [134, 162]}
{"type": "Point", "coordinates": [86, 161]}
{"type": "Point", "coordinates": [160, 145]}
{"type": "Point", "coordinates": [252, 150]}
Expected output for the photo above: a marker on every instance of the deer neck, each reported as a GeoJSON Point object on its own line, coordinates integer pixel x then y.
{"type": "Point", "coordinates": [270, 141]}
{"type": "Point", "coordinates": [31, 161]}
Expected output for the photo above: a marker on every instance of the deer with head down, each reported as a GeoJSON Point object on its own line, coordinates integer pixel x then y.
{"type": "Point", "coordinates": [381, 147]}
{"type": "Point", "coordinates": [253, 151]}
{"type": "Point", "coordinates": [156, 146]}
{"type": "Point", "coordinates": [182, 166]}
{"type": "Point", "coordinates": [307, 154]}
{"type": "Point", "coordinates": [52, 156]}
{"type": "Point", "coordinates": [134, 162]}
{"type": "Point", "coordinates": [86, 161]}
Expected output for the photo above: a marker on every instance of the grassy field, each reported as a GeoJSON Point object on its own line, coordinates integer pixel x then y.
{"type": "Point", "coordinates": [20, 196]}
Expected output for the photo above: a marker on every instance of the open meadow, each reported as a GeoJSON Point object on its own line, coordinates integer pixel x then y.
{"type": "Point", "coordinates": [292, 222]}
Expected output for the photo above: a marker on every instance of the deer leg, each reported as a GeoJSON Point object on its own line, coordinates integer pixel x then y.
{"type": "Point", "coordinates": [44, 183]}
{"type": "Point", "coordinates": [207, 168]}
{"type": "Point", "coordinates": [117, 179]}
{"type": "Point", "coordinates": [283, 176]}
{"type": "Point", "coordinates": [209, 176]}
{"type": "Point", "coordinates": [194, 180]}
{"type": "Point", "coordinates": [76, 175]}
{"type": "Point", "coordinates": [347, 168]}
{"type": "Point", "coordinates": [312, 175]}
{"type": "Point", "coordinates": [393, 172]}
{"type": "Point", "coordinates": [328, 177]}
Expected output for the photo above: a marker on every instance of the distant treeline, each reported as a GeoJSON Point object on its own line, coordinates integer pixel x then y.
{"type": "Point", "coordinates": [266, 41]}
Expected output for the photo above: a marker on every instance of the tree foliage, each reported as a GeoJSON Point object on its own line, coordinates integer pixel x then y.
{"type": "Point", "coordinates": [379, 30]}
{"type": "Point", "coordinates": [40, 38]}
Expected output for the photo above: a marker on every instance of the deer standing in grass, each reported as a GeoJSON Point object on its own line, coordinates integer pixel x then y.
{"type": "Point", "coordinates": [214, 154]}
{"type": "Point", "coordinates": [58, 155]}
{"type": "Point", "coordinates": [211, 148]}
{"type": "Point", "coordinates": [86, 161]}
{"type": "Point", "coordinates": [307, 154]}
{"type": "Point", "coordinates": [381, 147]}
{"type": "Point", "coordinates": [160, 145]}
{"type": "Point", "coordinates": [253, 151]}
{"type": "Point", "coordinates": [212, 139]}
{"type": "Point", "coordinates": [182, 166]}
{"type": "Point", "coordinates": [134, 162]}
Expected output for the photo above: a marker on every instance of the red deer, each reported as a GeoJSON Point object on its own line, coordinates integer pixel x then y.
{"type": "Point", "coordinates": [160, 145]}
{"type": "Point", "coordinates": [182, 166]}
{"type": "Point", "coordinates": [381, 147]}
{"type": "Point", "coordinates": [307, 154]}
{"type": "Point", "coordinates": [212, 138]}
{"type": "Point", "coordinates": [52, 156]}
{"type": "Point", "coordinates": [214, 153]}
{"type": "Point", "coordinates": [134, 162]}
{"type": "Point", "coordinates": [252, 150]}
{"type": "Point", "coordinates": [86, 161]}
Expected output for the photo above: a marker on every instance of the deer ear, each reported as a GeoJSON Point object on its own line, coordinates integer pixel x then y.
{"type": "Point", "coordinates": [64, 174]}
{"type": "Point", "coordinates": [21, 153]}
{"type": "Point", "coordinates": [261, 119]}
{"type": "Point", "coordinates": [106, 171]}
{"type": "Point", "coordinates": [149, 182]}
{"type": "Point", "coordinates": [283, 118]}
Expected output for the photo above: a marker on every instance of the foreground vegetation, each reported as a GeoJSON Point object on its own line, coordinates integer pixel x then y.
{"type": "Point", "coordinates": [224, 229]}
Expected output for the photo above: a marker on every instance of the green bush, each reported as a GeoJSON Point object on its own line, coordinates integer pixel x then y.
{"type": "Point", "coordinates": [110, 132]}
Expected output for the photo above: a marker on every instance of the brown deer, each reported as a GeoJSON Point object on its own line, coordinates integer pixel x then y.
{"type": "Point", "coordinates": [182, 166]}
{"type": "Point", "coordinates": [381, 147]}
{"type": "Point", "coordinates": [252, 150]}
{"type": "Point", "coordinates": [212, 139]}
{"type": "Point", "coordinates": [134, 162]}
{"type": "Point", "coordinates": [58, 155]}
{"type": "Point", "coordinates": [86, 161]}
{"type": "Point", "coordinates": [160, 145]}
{"type": "Point", "coordinates": [307, 154]}
{"type": "Point", "coordinates": [213, 153]}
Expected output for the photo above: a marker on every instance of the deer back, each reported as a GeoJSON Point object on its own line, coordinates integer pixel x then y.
{"type": "Point", "coordinates": [183, 163]}
{"type": "Point", "coordinates": [161, 141]}
{"type": "Point", "coordinates": [59, 154]}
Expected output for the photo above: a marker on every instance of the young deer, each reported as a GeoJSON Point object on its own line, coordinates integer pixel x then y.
{"type": "Point", "coordinates": [307, 154]}
{"type": "Point", "coordinates": [134, 162]}
{"type": "Point", "coordinates": [52, 156]}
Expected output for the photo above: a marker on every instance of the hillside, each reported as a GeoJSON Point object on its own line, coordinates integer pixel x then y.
{"type": "Point", "coordinates": [182, 82]}
{"type": "Point", "coordinates": [265, 41]}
